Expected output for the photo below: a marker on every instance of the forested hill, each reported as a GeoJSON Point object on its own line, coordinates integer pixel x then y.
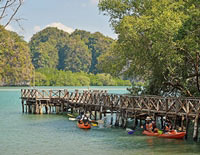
{"type": "Point", "coordinates": [54, 48]}
{"type": "Point", "coordinates": [55, 57]}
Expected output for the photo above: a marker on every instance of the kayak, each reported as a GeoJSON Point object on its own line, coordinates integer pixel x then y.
{"type": "Point", "coordinates": [82, 125]}
{"type": "Point", "coordinates": [149, 133]}
{"type": "Point", "coordinates": [173, 135]}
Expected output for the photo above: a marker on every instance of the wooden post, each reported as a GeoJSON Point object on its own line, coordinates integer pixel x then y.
{"type": "Point", "coordinates": [58, 109]}
{"type": "Point", "coordinates": [187, 126]}
{"type": "Point", "coordinates": [22, 106]}
{"type": "Point", "coordinates": [140, 122]}
{"type": "Point", "coordinates": [26, 107]}
{"type": "Point", "coordinates": [182, 122]}
{"type": "Point", "coordinates": [33, 108]}
{"type": "Point", "coordinates": [125, 119]}
{"type": "Point", "coordinates": [40, 108]}
{"type": "Point", "coordinates": [95, 115]}
{"type": "Point", "coordinates": [100, 113]}
{"type": "Point", "coordinates": [72, 110]}
{"type": "Point", "coordinates": [29, 108]}
{"type": "Point", "coordinates": [135, 121]}
{"type": "Point", "coordinates": [62, 107]}
{"type": "Point", "coordinates": [90, 111]}
{"type": "Point", "coordinates": [111, 119]}
{"type": "Point", "coordinates": [46, 109]}
{"type": "Point", "coordinates": [36, 108]}
{"type": "Point", "coordinates": [121, 120]}
{"type": "Point", "coordinates": [161, 122]}
{"type": "Point", "coordinates": [196, 125]}
{"type": "Point", "coordinates": [50, 109]}
{"type": "Point", "coordinates": [117, 119]}
{"type": "Point", "coordinates": [175, 123]}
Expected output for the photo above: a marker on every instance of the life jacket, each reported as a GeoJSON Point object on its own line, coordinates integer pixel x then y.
{"type": "Point", "coordinates": [167, 128]}
{"type": "Point", "coordinates": [149, 126]}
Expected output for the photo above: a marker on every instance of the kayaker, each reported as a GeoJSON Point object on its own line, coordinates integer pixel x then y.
{"type": "Point", "coordinates": [80, 116]}
{"type": "Point", "coordinates": [154, 129]}
{"type": "Point", "coordinates": [85, 118]}
{"type": "Point", "coordinates": [148, 125]}
{"type": "Point", "coordinates": [167, 125]}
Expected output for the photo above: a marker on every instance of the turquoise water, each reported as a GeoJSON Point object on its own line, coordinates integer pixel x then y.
{"type": "Point", "coordinates": [24, 134]}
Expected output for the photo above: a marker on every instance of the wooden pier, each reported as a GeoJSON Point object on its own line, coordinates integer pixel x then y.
{"type": "Point", "coordinates": [181, 111]}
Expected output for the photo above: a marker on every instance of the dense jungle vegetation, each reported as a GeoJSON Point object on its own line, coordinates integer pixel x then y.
{"type": "Point", "coordinates": [158, 44]}
{"type": "Point", "coordinates": [54, 58]}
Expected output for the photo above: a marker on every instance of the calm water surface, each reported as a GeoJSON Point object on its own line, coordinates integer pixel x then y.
{"type": "Point", "coordinates": [23, 134]}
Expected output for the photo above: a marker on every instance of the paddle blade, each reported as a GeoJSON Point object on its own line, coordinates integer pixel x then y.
{"type": "Point", "coordinates": [72, 119]}
{"type": "Point", "coordinates": [93, 124]}
{"type": "Point", "coordinates": [131, 132]}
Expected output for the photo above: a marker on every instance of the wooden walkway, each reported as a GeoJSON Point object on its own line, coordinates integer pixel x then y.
{"type": "Point", "coordinates": [179, 110]}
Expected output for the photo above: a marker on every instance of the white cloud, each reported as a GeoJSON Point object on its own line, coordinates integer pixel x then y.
{"type": "Point", "coordinates": [37, 28]}
{"type": "Point", "coordinates": [61, 27]}
{"type": "Point", "coordinates": [10, 28]}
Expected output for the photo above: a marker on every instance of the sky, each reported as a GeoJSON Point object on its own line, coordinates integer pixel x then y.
{"type": "Point", "coordinates": [67, 15]}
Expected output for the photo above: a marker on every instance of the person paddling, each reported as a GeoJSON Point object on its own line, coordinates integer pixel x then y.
{"type": "Point", "coordinates": [167, 125]}
{"type": "Point", "coordinates": [85, 118]}
{"type": "Point", "coordinates": [148, 125]}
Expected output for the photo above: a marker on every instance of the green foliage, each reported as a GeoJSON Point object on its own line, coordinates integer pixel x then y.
{"type": "Point", "coordinates": [15, 62]}
{"type": "Point", "coordinates": [158, 42]}
{"type": "Point", "coordinates": [53, 48]}
{"type": "Point", "coordinates": [97, 44]}
{"type": "Point", "coordinates": [45, 47]}
{"type": "Point", "coordinates": [60, 59]}
{"type": "Point", "coordinates": [54, 77]}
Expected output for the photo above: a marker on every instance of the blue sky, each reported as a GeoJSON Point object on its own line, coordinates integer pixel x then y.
{"type": "Point", "coordinates": [64, 14]}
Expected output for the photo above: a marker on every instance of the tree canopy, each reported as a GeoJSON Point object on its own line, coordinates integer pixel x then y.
{"type": "Point", "coordinates": [59, 59]}
{"type": "Point", "coordinates": [158, 43]}
{"type": "Point", "coordinates": [53, 48]}
{"type": "Point", "coordinates": [15, 61]}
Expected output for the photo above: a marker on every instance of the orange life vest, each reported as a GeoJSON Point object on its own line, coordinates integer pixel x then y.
{"type": "Point", "coordinates": [149, 126]}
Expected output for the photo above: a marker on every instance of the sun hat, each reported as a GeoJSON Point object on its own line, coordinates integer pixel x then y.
{"type": "Point", "coordinates": [148, 118]}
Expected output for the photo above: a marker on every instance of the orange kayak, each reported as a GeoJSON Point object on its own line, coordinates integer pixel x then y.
{"type": "Point", "coordinates": [149, 133]}
{"type": "Point", "coordinates": [173, 135]}
{"type": "Point", "coordinates": [84, 125]}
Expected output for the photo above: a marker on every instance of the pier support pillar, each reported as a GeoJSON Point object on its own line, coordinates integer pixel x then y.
{"type": "Point", "coordinates": [62, 107]}
{"type": "Point", "coordinates": [135, 121]}
{"type": "Point", "coordinates": [58, 109]}
{"type": "Point", "coordinates": [187, 126]}
{"type": "Point", "coordinates": [95, 115]}
{"type": "Point", "coordinates": [125, 116]}
{"type": "Point", "coordinates": [36, 108]}
{"type": "Point", "coordinates": [22, 106]}
{"type": "Point", "coordinates": [117, 119]}
{"type": "Point", "coordinates": [111, 119]}
{"type": "Point", "coordinates": [196, 125]}
{"type": "Point", "coordinates": [40, 108]}
{"type": "Point", "coordinates": [29, 108]}
{"type": "Point", "coordinates": [26, 107]}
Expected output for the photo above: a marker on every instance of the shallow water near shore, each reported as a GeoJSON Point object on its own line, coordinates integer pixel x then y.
{"type": "Point", "coordinates": [27, 134]}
